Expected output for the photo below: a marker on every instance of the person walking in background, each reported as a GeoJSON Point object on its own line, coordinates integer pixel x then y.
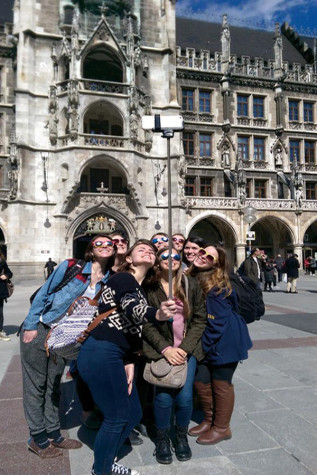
{"type": "Point", "coordinates": [268, 270]}
{"type": "Point", "coordinates": [292, 265]}
{"type": "Point", "coordinates": [49, 267]}
{"type": "Point", "coordinates": [225, 341]}
{"type": "Point", "coordinates": [279, 261]}
{"type": "Point", "coordinates": [252, 266]}
{"type": "Point", "coordinates": [312, 265]}
{"type": "Point", "coordinates": [42, 374]}
{"type": "Point", "coordinates": [5, 275]}
{"type": "Point", "coordinates": [175, 341]}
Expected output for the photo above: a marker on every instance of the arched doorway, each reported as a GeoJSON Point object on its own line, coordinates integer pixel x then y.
{"type": "Point", "coordinates": [99, 223]}
{"type": "Point", "coordinates": [103, 64]}
{"type": "Point", "coordinates": [273, 236]}
{"type": "Point", "coordinates": [3, 247]}
{"type": "Point", "coordinates": [102, 172]}
{"type": "Point", "coordinates": [216, 231]}
{"type": "Point", "coordinates": [310, 241]}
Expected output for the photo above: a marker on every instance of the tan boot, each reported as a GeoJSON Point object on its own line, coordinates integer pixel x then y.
{"type": "Point", "coordinates": [223, 393]}
{"type": "Point", "coordinates": [205, 398]}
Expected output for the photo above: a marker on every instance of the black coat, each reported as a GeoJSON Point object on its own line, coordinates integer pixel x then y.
{"type": "Point", "coordinates": [4, 269]}
{"type": "Point", "coordinates": [292, 266]}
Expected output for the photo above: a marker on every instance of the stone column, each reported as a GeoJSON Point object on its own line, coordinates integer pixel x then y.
{"type": "Point", "coordinates": [240, 254]}
{"type": "Point", "coordinates": [298, 249]}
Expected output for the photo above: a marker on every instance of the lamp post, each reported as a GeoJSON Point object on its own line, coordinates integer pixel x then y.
{"type": "Point", "coordinates": [249, 218]}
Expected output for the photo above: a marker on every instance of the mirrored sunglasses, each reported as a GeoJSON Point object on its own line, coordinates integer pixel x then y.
{"type": "Point", "coordinates": [203, 253]}
{"type": "Point", "coordinates": [176, 257]}
{"type": "Point", "coordinates": [180, 240]}
{"type": "Point", "coordinates": [103, 244]}
{"type": "Point", "coordinates": [161, 239]}
{"type": "Point", "coordinates": [119, 241]}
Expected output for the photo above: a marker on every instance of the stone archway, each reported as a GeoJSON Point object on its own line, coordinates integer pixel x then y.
{"type": "Point", "coordinates": [310, 240]}
{"type": "Point", "coordinates": [216, 230]}
{"type": "Point", "coordinates": [273, 236]}
{"type": "Point", "coordinates": [98, 223]}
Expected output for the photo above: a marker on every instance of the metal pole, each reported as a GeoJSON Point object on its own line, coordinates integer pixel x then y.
{"type": "Point", "coordinates": [169, 217]}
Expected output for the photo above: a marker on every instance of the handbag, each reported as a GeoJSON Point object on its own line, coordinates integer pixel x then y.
{"type": "Point", "coordinates": [162, 373]}
{"type": "Point", "coordinates": [67, 335]}
{"type": "Point", "coordinates": [10, 287]}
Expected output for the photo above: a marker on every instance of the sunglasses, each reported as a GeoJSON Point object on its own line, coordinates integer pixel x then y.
{"type": "Point", "coordinates": [203, 253]}
{"type": "Point", "coordinates": [161, 239]}
{"type": "Point", "coordinates": [103, 244]}
{"type": "Point", "coordinates": [120, 241]}
{"type": "Point", "coordinates": [180, 240]}
{"type": "Point", "coordinates": [176, 257]}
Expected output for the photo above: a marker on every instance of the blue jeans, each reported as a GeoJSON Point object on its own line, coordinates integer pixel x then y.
{"type": "Point", "coordinates": [164, 398]}
{"type": "Point", "coordinates": [101, 365]}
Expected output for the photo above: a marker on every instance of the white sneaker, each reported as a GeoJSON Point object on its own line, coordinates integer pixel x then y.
{"type": "Point", "coordinates": [4, 336]}
{"type": "Point", "coordinates": [118, 469]}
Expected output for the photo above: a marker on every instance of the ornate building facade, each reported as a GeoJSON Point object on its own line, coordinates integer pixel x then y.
{"type": "Point", "coordinates": [74, 159]}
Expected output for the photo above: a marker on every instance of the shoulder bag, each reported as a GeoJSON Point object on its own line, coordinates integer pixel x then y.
{"type": "Point", "coordinates": [65, 337]}
{"type": "Point", "coordinates": [162, 373]}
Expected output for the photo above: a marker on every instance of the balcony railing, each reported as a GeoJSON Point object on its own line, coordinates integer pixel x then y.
{"type": "Point", "coordinates": [259, 204]}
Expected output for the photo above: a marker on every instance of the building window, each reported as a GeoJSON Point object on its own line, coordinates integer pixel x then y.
{"type": "Point", "coordinates": [311, 190]}
{"type": "Point", "coordinates": [294, 147]}
{"type": "Point", "coordinates": [204, 101]}
{"type": "Point", "coordinates": [227, 188]}
{"type": "Point", "coordinates": [243, 106]}
{"type": "Point", "coordinates": [248, 188]}
{"type": "Point", "coordinates": [259, 148]}
{"type": "Point", "coordinates": [308, 112]}
{"type": "Point", "coordinates": [243, 147]}
{"type": "Point", "coordinates": [293, 110]}
{"type": "Point", "coordinates": [190, 188]}
{"type": "Point", "coordinates": [204, 145]}
{"type": "Point", "coordinates": [259, 189]}
{"type": "Point", "coordinates": [188, 99]}
{"type": "Point", "coordinates": [309, 152]}
{"type": "Point", "coordinates": [258, 107]}
{"type": "Point", "coordinates": [188, 143]}
{"type": "Point", "coordinates": [205, 187]}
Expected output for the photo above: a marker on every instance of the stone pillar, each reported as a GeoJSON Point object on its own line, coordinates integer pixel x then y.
{"type": "Point", "coordinates": [298, 249]}
{"type": "Point", "coordinates": [240, 254]}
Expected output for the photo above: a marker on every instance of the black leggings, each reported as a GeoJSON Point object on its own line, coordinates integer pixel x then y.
{"type": "Point", "coordinates": [1, 314]}
{"type": "Point", "coordinates": [205, 373]}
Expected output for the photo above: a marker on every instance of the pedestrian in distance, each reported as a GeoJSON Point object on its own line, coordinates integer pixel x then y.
{"type": "Point", "coordinates": [176, 341]}
{"type": "Point", "coordinates": [42, 374]}
{"type": "Point", "coordinates": [252, 266]}
{"type": "Point", "coordinates": [292, 265]}
{"type": "Point", "coordinates": [49, 267]}
{"type": "Point", "coordinates": [105, 361]}
{"type": "Point", "coordinates": [5, 275]}
{"type": "Point", "coordinates": [225, 341]}
{"type": "Point", "coordinates": [268, 270]}
{"type": "Point", "coordinates": [279, 261]}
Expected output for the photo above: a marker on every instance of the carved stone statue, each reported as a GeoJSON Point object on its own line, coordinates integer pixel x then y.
{"type": "Point", "coordinates": [13, 180]}
{"type": "Point", "coordinates": [241, 181]}
{"type": "Point", "coordinates": [134, 125]}
{"type": "Point", "coordinates": [225, 158]}
{"type": "Point", "coordinates": [278, 157]}
{"type": "Point", "coordinates": [299, 196]}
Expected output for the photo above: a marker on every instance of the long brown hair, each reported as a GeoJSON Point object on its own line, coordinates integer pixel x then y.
{"type": "Point", "coordinates": [216, 278]}
{"type": "Point", "coordinates": [151, 274]}
{"type": "Point", "coordinates": [178, 289]}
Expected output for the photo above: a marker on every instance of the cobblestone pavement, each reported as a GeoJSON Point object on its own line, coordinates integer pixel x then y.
{"type": "Point", "coordinates": [275, 416]}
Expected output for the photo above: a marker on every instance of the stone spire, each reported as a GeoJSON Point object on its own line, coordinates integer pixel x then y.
{"type": "Point", "coordinates": [225, 44]}
{"type": "Point", "coordinates": [278, 52]}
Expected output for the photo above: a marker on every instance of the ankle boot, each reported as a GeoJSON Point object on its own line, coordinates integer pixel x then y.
{"type": "Point", "coordinates": [205, 397]}
{"type": "Point", "coordinates": [182, 449]}
{"type": "Point", "coordinates": [223, 407]}
{"type": "Point", "coordinates": [163, 451]}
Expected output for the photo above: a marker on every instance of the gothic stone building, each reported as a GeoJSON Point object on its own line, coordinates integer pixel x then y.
{"type": "Point", "coordinates": [74, 159]}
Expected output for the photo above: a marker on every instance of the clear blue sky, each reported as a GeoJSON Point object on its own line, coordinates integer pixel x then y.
{"type": "Point", "coordinates": [300, 14]}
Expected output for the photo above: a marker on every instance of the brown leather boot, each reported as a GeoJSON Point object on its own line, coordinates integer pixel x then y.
{"type": "Point", "coordinates": [205, 398]}
{"type": "Point", "coordinates": [223, 407]}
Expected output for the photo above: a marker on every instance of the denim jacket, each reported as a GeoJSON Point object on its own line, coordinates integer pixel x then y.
{"type": "Point", "coordinates": [47, 306]}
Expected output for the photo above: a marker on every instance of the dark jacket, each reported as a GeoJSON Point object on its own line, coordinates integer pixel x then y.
{"type": "Point", "coordinates": [268, 272]}
{"type": "Point", "coordinates": [4, 269]}
{"type": "Point", "coordinates": [158, 336]}
{"type": "Point", "coordinates": [226, 337]}
{"type": "Point", "coordinates": [251, 269]}
{"type": "Point", "coordinates": [292, 266]}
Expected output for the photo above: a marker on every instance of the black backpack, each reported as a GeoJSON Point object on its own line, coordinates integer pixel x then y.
{"type": "Point", "coordinates": [250, 299]}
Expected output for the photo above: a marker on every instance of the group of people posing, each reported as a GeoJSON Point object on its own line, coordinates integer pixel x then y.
{"type": "Point", "coordinates": [200, 324]}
